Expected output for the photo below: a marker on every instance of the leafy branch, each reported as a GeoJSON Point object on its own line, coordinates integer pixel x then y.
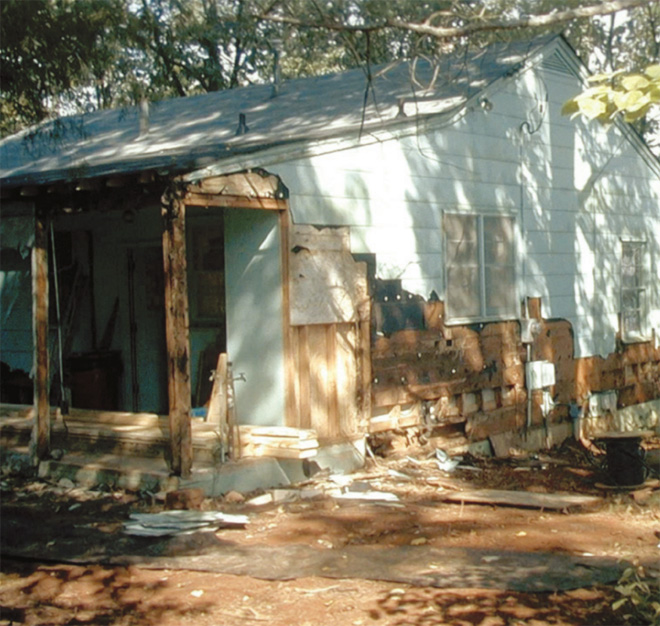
{"type": "Point", "coordinates": [632, 94]}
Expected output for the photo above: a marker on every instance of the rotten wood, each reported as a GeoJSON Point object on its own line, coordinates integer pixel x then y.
{"type": "Point", "coordinates": [177, 331]}
{"type": "Point", "coordinates": [40, 445]}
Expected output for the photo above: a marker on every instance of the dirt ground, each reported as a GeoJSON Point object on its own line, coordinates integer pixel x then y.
{"type": "Point", "coordinates": [625, 525]}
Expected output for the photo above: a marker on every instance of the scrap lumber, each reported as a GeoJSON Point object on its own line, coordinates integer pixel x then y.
{"type": "Point", "coordinates": [524, 499]}
{"type": "Point", "coordinates": [180, 522]}
{"type": "Point", "coordinates": [279, 442]}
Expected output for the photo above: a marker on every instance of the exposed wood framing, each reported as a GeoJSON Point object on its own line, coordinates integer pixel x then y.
{"type": "Point", "coordinates": [41, 431]}
{"type": "Point", "coordinates": [234, 202]}
{"type": "Point", "coordinates": [177, 330]}
{"type": "Point", "coordinates": [246, 190]}
{"type": "Point", "coordinates": [250, 184]}
{"type": "Point", "coordinates": [287, 331]}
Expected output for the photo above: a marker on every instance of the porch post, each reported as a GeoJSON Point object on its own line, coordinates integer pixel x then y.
{"type": "Point", "coordinates": [177, 330]}
{"type": "Point", "coordinates": [40, 443]}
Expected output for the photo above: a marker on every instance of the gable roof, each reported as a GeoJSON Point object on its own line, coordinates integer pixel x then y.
{"type": "Point", "coordinates": [186, 134]}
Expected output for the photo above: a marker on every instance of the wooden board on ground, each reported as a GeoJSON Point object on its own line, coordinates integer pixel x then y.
{"type": "Point", "coordinates": [523, 499]}
{"type": "Point", "coordinates": [278, 442]}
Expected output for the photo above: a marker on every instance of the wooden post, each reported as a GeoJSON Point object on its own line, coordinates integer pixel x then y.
{"type": "Point", "coordinates": [40, 444]}
{"type": "Point", "coordinates": [292, 407]}
{"type": "Point", "coordinates": [364, 364]}
{"type": "Point", "coordinates": [176, 329]}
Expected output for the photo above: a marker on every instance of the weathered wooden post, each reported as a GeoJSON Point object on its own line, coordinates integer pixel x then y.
{"type": "Point", "coordinates": [40, 443]}
{"type": "Point", "coordinates": [177, 330]}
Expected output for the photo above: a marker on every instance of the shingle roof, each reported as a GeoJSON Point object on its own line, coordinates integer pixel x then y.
{"type": "Point", "coordinates": [187, 133]}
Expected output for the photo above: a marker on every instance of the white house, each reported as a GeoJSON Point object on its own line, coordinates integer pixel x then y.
{"type": "Point", "coordinates": [368, 255]}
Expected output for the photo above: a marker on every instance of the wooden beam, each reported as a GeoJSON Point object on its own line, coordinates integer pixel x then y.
{"type": "Point", "coordinates": [292, 417]}
{"type": "Point", "coordinates": [234, 202]}
{"type": "Point", "coordinates": [40, 445]}
{"type": "Point", "coordinates": [177, 331]}
{"type": "Point", "coordinates": [250, 184]}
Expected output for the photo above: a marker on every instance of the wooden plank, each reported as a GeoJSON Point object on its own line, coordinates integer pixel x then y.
{"type": "Point", "coordinates": [304, 397]}
{"type": "Point", "coordinates": [364, 396]}
{"type": "Point", "coordinates": [280, 432]}
{"type": "Point", "coordinates": [291, 405]}
{"type": "Point", "coordinates": [40, 445]}
{"type": "Point", "coordinates": [280, 453]}
{"type": "Point", "coordinates": [217, 411]}
{"type": "Point", "coordinates": [318, 380]}
{"type": "Point", "coordinates": [250, 184]}
{"type": "Point", "coordinates": [176, 330]}
{"type": "Point", "coordinates": [332, 406]}
{"type": "Point", "coordinates": [524, 499]}
{"type": "Point", "coordinates": [347, 372]}
{"type": "Point", "coordinates": [234, 202]}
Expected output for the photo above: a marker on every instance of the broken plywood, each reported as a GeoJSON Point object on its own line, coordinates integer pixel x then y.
{"type": "Point", "coordinates": [327, 285]}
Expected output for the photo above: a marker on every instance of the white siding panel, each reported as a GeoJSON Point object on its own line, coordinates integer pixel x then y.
{"type": "Point", "coordinates": [575, 189]}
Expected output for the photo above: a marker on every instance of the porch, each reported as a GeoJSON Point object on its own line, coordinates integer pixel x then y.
{"type": "Point", "coordinates": [120, 450]}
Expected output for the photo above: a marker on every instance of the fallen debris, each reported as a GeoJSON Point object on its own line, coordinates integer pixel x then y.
{"type": "Point", "coordinates": [525, 499]}
{"type": "Point", "coordinates": [445, 462]}
{"type": "Point", "coordinates": [372, 496]}
{"type": "Point", "coordinates": [180, 522]}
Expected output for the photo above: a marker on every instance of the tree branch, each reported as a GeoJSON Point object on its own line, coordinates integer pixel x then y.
{"type": "Point", "coordinates": [451, 32]}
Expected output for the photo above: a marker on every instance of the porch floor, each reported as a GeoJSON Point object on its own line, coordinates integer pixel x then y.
{"type": "Point", "coordinates": [100, 449]}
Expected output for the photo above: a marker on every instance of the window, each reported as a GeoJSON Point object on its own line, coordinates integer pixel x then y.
{"type": "Point", "coordinates": [480, 267]}
{"type": "Point", "coordinates": [633, 291]}
{"type": "Point", "coordinates": [206, 275]}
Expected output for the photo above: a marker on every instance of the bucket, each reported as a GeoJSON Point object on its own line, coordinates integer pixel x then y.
{"type": "Point", "coordinates": [625, 461]}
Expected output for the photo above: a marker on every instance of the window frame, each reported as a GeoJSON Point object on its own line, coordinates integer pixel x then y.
{"type": "Point", "coordinates": [482, 266]}
{"type": "Point", "coordinates": [643, 290]}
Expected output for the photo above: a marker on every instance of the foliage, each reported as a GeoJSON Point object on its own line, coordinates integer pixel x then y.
{"type": "Point", "coordinates": [640, 597]}
{"type": "Point", "coordinates": [632, 94]}
{"type": "Point", "coordinates": [67, 56]}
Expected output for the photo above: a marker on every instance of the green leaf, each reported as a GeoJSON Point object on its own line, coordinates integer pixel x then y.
{"type": "Point", "coordinates": [570, 107]}
{"type": "Point", "coordinates": [619, 603]}
{"type": "Point", "coordinates": [633, 116]}
{"type": "Point", "coordinates": [653, 71]}
{"type": "Point", "coordinates": [634, 81]}
{"type": "Point", "coordinates": [631, 100]}
{"type": "Point", "coordinates": [592, 108]}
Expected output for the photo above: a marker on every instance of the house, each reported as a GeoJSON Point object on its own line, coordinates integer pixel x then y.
{"type": "Point", "coordinates": [438, 246]}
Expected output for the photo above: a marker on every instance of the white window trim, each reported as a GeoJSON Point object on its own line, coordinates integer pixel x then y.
{"type": "Point", "coordinates": [514, 315]}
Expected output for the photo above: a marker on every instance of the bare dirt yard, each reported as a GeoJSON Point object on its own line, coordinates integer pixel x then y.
{"type": "Point", "coordinates": [384, 546]}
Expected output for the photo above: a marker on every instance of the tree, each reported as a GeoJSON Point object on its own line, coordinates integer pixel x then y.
{"type": "Point", "coordinates": [61, 56]}
{"type": "Point", "coordinates": [56, 57]}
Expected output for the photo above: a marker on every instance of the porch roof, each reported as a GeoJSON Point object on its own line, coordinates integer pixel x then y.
{"type": "Point", "coordinates": [187, 134]}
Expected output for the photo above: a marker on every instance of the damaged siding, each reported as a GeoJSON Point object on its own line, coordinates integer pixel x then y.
{"type": "Point", "coordinates": [573, 191]}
